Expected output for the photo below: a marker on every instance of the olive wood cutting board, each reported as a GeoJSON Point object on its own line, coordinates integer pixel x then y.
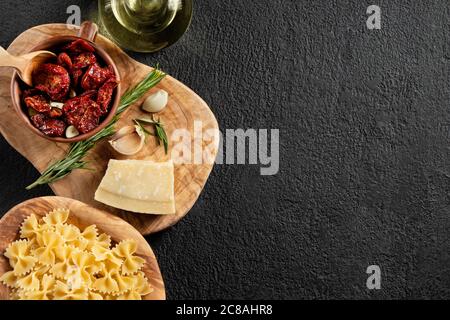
{"type": "Point", "coordinates": [82, 216]}
{"type": "Point", "coordinates": [184, 109]}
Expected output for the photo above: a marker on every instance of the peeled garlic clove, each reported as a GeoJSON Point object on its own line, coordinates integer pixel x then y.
{"type": "Point", "coordinates": [58, 105]}
{"type": "Point", "coordinates": [72, 132]}
{"type": "Point", "coordinates": [156, 102]}
{"type": "Point", "coordinates": [128, 141]}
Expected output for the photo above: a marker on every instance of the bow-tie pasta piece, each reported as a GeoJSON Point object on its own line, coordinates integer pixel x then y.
{"type": "Point", "coordinates": [45, 292]}
{"type": "Point", "coordinates": [30, 282]}
{"type": "Point", "coordinates": [32, 231]}
{"type": "Point", "coordinates": [92, 295]}
{"type": "Point", "coordinates": [64, 291]}
{"type": "Point", "coordinates": [63, 267]}
{"type": "Point", "coordinates": [9, 279]}
{"type": "Point", "coordinates": [106, 284]}
{"type": "Point", "coordinates": [125, 283]}
{"type": "Point", "coordinates": [104, 240]}
{"type": "Point", "coordinates": [82, 262]}
{"type": "Point", "coordinates": [86, 239]}
{"type": "Point", "coordinates": [142, 286]}
{"type": "Point", "coordinates": [69, 232]}
{"type": "Point", "coordinates": [126, 250]}
{"type": "Point", "coordinates": [56, 217]}
{"type": "Point", "coordinates": [110, 260]}
{"type": "Point", "coordinates": [46, 254]}
{"type": "Point", "coordinates": [19, 257]}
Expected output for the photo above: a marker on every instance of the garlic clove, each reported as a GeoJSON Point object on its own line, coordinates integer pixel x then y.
{"type": "Point", "coordinates": [58, 105]}
{"type": "Point", "coordinates": [72, 132]}
{"type": "Point", "coordinates": [156, 102]}
{"type": "Point", "coordinates": [128, 141]}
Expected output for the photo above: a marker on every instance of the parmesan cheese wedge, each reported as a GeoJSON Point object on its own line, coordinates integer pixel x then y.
{"type": "Point", "coordinates": [138, 186]}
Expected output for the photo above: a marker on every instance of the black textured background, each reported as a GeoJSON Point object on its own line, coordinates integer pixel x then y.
{"type": "Point", "coordinates": [365, 158]}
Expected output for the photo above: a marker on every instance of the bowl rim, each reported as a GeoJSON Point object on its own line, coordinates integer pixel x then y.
{"type": "Point", "coordinates": [16, 97]}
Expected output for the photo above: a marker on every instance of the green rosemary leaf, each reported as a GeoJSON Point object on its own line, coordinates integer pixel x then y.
{"type": "Point", "coordinates": [161, 133]}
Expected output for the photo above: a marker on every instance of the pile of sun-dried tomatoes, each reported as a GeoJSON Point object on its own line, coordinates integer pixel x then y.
{"type": "Point", "coordinates": [78, 84]}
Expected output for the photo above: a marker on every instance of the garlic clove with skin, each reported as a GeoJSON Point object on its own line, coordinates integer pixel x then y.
{"type": "Point", "coordinates": [128, 141]}
{"type": "Point", "coordinates": [72, 132]}
{"type": "Point", "coordinates": [156, 102]}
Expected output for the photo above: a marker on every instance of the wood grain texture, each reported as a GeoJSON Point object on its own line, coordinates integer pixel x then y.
{"type": "Point", "coordinates": [82, 216]}
{"type": "Point", "coordinates": [184, 108]}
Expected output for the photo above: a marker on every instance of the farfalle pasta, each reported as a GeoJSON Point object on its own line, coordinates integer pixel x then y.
{"type": "Point", "coordinates": [19, 257]}
{"type": "Point", "coordinates": [55, 260]}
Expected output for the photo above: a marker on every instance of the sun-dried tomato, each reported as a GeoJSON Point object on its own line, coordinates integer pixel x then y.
{"type": "Point", "coordinates": [74, 108]}
{"type": "Point", "coordinates": [38, 120]}
{"type": "Point", "coordinates": [92, 94]}
{"type": "Point", "coordinates": [84, 60]}
{"type": "Point", "coordinates": [76, 77]}
{"type": "Point", "coordinates": [52, 79]}
{"type": "Point", "coordinates": [50, 127]}
{"type": "Point", "coordinates": [78, 46]}
{"type": "Point", "coordinates": [95, 76]}
{"type": "Point", "coordinates": [31, 92]}
{"type": "Point", "coordinates": [65, 61]}
{"type": "Point", "coordinates": [105, 94]}
{"type": "Point", "coordinates": [38, 103]}
{"type": "Point", "coordinates": [55, 113]}
{"type": "Point", "coordinates": [83, 113]}
{"type": "Point", "coordinates": [90, 119]}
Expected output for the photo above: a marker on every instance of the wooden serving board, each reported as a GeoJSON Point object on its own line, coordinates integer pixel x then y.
{"type": "Point", "coordinates": [184, 108]}
{"type": "Point", "coordinates": [82, 216]}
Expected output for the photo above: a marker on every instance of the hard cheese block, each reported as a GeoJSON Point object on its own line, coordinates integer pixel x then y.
{"type": "Point", "coordinates": [138, 186]}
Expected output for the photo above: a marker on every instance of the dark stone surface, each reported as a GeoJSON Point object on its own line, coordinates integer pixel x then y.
{"type": "Point", "coordinates": [365, 157]}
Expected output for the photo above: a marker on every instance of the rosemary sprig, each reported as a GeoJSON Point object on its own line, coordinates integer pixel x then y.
{"type": "Point", "coordinates": [160, 133]}
{"type": "Point", "coordinates": [78, 150]}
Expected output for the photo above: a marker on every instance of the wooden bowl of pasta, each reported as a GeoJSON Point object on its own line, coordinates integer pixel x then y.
{"type": "Point", "coordinates": [54, 248]}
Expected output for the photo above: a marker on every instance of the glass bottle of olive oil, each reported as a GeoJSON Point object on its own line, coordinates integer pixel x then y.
{"type": "Point", "coordinates": [145, 25]}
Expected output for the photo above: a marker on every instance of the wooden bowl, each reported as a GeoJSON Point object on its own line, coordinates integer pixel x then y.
{"type": "Point", "coordinates": [82, 216]}
{"type": "Point", "coordinates": [88, 32]}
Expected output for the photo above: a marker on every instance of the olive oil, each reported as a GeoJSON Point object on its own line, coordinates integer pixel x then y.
{"type": "Point", "coordinates": [145, 25]}
{"type": "Point", "coordinates": [140, 16]}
